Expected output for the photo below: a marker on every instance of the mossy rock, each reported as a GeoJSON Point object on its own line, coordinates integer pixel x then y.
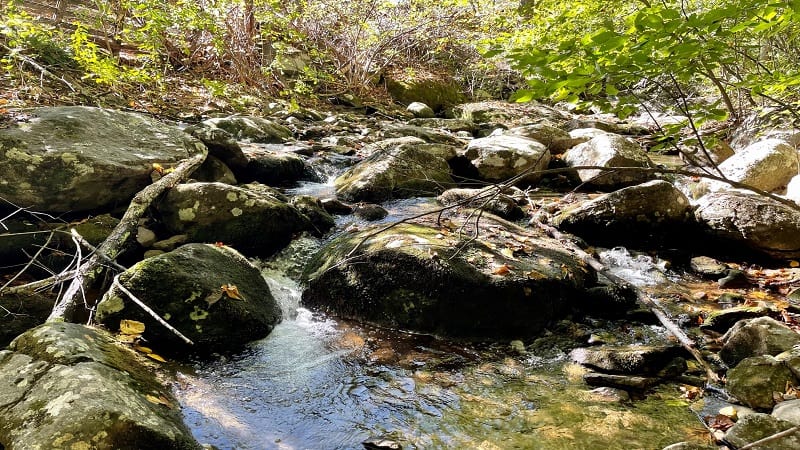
{"type": "Point", "coordinates": [436, 91]}
{"type": "Point", "coordinates": [74, 387]}
{"type": "Point", "coordinates": [209, 293]}
{"type": "Point", "coordinates": [414, 276]}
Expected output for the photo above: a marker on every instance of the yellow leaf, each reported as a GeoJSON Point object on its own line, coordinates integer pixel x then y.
{"type": "Point", "coordinates": [158, 168]}
{"type": "Point", "coordinates": [142, 349]}
{"type": "Point", "coordinates": [507, 252]}
{"type": "Point", "coordinates": [231, 291]}
{"type": "Point", "coordinates": [793, 263]}
{"type": "Point", "coordinates": [729, 411]}
{"type": "Point", "coordinates": [131, 327]}
{"type": "Point", "coordinates": [127, 338]}
{"type": "Point", "coordinates": [160, 400]}
{"type": "Point", "coordinates": [155, 356]}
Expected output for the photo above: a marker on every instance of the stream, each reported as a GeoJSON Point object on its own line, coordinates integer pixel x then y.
{"type": "Point", "coordinates": [322, 383]}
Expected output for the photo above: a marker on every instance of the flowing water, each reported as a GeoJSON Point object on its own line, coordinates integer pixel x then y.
{"type": "Point", "coordinates": [318, 383]}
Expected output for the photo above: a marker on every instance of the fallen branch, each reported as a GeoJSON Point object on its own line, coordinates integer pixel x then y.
{"type": "Point", "coordinates": [89, 271]}
{"type": "Point", "coordinates": [153, 314]}
{"type": "Point", "coordinates": [644, 299]}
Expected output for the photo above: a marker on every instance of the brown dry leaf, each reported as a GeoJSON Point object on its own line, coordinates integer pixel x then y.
{"type": "Point", "coordinates": [219, 244]}
{"type": "Point", "coordinates": [720, 422]}
{"type": "Point", "coordinates": [231, 291]}
{"type": "Point", "coordinates": [793, 263]}
{"type": "Point", "coordinates": [759, 295]}
{"type": "Point", "coordinates": [534, 275]}
{"type": "Point", "coordinates": [131, 327]}
{"type": "Point", "coordinates": [142, 349]}
{"type": "Point", "coordinates": [691, 392]}
{"type": "Point", "coordinates": [156, 357]}
{"type": "Point", "coordinates": [502, 270]}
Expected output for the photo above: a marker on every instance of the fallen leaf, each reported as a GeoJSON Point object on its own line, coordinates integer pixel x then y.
{"type": "Point", "coordinates": [156, 357]}
{"type": "Point", "coordinates": [146, 350]}
{"type": "Point", "coordinates": [158, 168]}
{"type": "Point", "coordinates": [729, 411]}
{"type": "Point", "coordinates": [160, 400]}
{"type": "Point", "coordinates": [131, 327]}
{"type": "Point", "coordinates": [231, 291]}
{"type": "Point", "coordinates": [793, 263]}
{"type": "Point", "coordinates": [720, 422]}
{"type": "Point", "coordinates": [127, 338]}
{"type": "Point", "coordinates": [213, 297]}
{"type": "Point", "coordinates": [219, 244]}
{"type": "Point", "coordinates": [502, 270]}
{"type": "Point", "coordinates": [507, 252]}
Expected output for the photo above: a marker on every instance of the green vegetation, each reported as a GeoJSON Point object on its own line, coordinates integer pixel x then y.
{"type": "Point", "coordinates": [705, 59]}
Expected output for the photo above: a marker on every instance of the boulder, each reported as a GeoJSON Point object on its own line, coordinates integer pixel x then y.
{"type": "Point", "coordinates": [312, 208]}
{"type": "Point", "coordinates": [433, 90]}
{"type": "Point", "coordinates": [220, 143]}
{"type": "Point", "coordinates": [767, 165]}
{"type": "Point", "coordinates": [630, 360]}
{"type": "Point", "coordinates": [420, 110]}
{"type": "Point", "coordinates": [723, 320]}
{"type": "Point", "coordinates": [77, 158]}
{"type": "Point", "coordinates": [451, 125]}
{"type": "Point", "coordinates": [488, 199]}
{"type": "Point", "coordinates": [500, 157]}
{"type": "Point", "coordinates": [756, 337]}
{"type": "Point", "coordinates": [430, 135]}
{"type": "Point", "coordinates": [555, 139]}
{"type": "Point", "coordinates": [754, 380]}
{"type": "Point", "coordinates": [209, 293]}
{"type": "Point", "coordinates": [751, 221]}
{"type": "Point", "coordinates": [649, 213]}
{"type": "Point", "coordinates": [755, 427]}
{"type": "Point", "coordinates": [253, 222]}
{"type": "Point", "coordinates": [68, 386]}
{"type": "Point", "coordinates": [609, 151]}
{"type": "Point", "coordinates": [21, 312]}
{"type": "Point", "coordinates": [213, 170]}
{"type": "Point", "coordinates": [793, 189]}
{"type": "Point", "coordinates": [765, 123]}
{"type": "Point", "coordinates": [272, 166]}
{"type": "Point", "coordinates": [396, 171]}
{"type": "Point", "coordinates": [507, 114]}
{"type": "Point", "coordinates": [252, 129]}
{"type": "Point", "coordinates": [414, 276]}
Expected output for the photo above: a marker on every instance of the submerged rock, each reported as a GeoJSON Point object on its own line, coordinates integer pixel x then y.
{"type": "Point", "coordinates": [67, 386]}
{"type": "Point", "coordinates": [253, 222]}
{"type": "Point", "coordinates": [77, 158]}
{"type": "Point", "coordinates": [415, 276]}
{"type": "Point", "coordinates": [209, 293]}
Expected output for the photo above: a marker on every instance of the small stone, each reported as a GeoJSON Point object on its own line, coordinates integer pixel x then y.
{"type": "Point", "coordinates": [145, 237]}
{"type": "Point", "coordinates": [370, 211]}
{"type": "Point", "coordinates": [335, 206]}
{"type": "Point", "coordinates": [421, 110]}
{"type": "Point", "coordinates": [608, 394]}
{"type": "Point", "coordinates": [171, 243]}
{"type": "Point", "coordinates": [517, 347]}
{"type": "Point", "coordinates": [151, 253]}
{"type": "Point", "coordinates": [709, 267]}
{"type": "Point", "coordinates": [735, 278]}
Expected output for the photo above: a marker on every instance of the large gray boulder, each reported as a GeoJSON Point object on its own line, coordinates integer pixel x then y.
{"type": "Point", "coordinates": [77, 158]}
{"type": "Point", "coordinates": [250, 128]}
{"type": "Point", "coordinates": [253, 222]}
{"type": "Point", "coordinates": [507, 114]}
{"type": "Point", "coordinates": [555, 139]}
{"type": "Point", "coordinates": [756, 337]}
{"type": "Point", "coordinates": [67, 386]}
{"type": "Point", "coordinates": [501, 157]}
{"type": "Point", "coordinates": [766, 165]}
{"type": "Point", "coordinates": [751, 221]}
{"type": "Point", "coordinates": [609, 151]}
{"type": "Point", "coordinates": [209, 293]}
{"type": "Point", "coordinates": [647, 213]}
{"type": "Point", "coordinates": [405, 168]}
{"type": "Point", "coordinates": [416, 277]}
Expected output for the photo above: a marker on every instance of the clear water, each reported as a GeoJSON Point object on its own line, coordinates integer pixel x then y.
{"type": "Point", "coordinates": [316, 383]}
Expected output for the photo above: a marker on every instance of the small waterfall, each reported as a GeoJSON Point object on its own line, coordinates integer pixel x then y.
{"type": "Point", "coordinates": [637, 269]}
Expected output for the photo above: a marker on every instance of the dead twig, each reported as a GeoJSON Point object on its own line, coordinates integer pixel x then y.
{"type": "Point", "coordinates": [116, 283]}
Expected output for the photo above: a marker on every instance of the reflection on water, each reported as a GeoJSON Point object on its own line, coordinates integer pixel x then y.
{"type": "Point", "coordinates": [319, 384]}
